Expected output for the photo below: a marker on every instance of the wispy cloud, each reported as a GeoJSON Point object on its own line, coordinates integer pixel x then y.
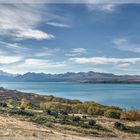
{"type": "Point", "coordinates": [45, 52]}
{"type": "Point", "coordinates": [42, 62]}
{"type": "Point", "coordinates": [22, 21]}
{"type": "Point", "coordinates": [104, 60]}
{"type": "Point", "coordinates": [124, 66]}
{"type": "Point", "coordinates": [11, 45]}
{"type": "Point", "coordinates": [125, 45]}
{"type": "Point", "coordinates": [33, 34]}
{"type": "Point", "coordinates": [76, 52]}
{"type": "Point", "coordinates": [56, 24]}
{"type": "Point", "coordinates": [108, 8]}
{"type": "Point", "coordinates": [9, 59]}
{"type": "Point", "coordinates": [12, 48]}
{"type": "Point", "coordinates": [12, 53]}
{"type": "Point", "coordinates": [34, 65]}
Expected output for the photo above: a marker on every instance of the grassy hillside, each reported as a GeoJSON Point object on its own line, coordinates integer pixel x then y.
{"type": "Point", "coordinates": [71, 116]}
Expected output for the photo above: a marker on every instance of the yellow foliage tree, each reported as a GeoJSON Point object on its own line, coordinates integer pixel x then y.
{"type": "Point", "coordinates": [23, 103]}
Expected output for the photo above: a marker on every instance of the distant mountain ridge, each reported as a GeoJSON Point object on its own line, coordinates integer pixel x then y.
{"type": "Point", "coordinates": [85, 77]}
{"type": "Point", "coordinates": [5, 76]}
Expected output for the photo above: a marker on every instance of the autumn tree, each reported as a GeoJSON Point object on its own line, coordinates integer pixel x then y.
{"type": "Point", "coordinates": [23, 103]}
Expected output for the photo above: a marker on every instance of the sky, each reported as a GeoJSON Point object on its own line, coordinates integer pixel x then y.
{"type": "Point", "coordinates": [70, 37]}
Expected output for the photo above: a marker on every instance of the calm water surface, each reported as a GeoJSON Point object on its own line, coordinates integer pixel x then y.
{"type": "Point", "coordinates": [123, 95]}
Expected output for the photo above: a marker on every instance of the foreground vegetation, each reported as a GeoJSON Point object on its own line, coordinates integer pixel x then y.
{"type": "Point", "coordinates": [71, 114]}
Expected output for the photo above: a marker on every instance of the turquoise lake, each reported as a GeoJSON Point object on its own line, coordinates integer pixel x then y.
{"type": "Point", "coordinates": [123, 95]}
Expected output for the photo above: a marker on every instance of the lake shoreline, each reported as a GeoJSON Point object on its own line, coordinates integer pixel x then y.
{"type": "Point", "coordinates": [123, 95]}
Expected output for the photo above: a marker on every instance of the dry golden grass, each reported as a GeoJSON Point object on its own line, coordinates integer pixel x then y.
{"type": "Point", "coordinates": [109, 123]}
{"type": "Point", "coordinates": [22, 129]}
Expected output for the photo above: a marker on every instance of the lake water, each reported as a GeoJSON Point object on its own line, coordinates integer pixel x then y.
{"type": "Point", "coordinates": [123, 95]}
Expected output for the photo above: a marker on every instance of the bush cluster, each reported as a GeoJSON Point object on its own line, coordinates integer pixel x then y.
{"type": "Point", "coordinates": [21, 112]}
{"type": "Point", "coordinates": [132, 115]}
{"type": "Point", "coordinates": [92, 122]}
{"type": "Point", "coordinates": [112, 113]}
{"type": "Point", "coordinates": [3, 104]}
{"type": "Point", "coordinates": [76, 118]}
{"type": "Point", "coordinates": [128, 129]}
{"type": "Point", "coordinates": [119, 126]}
{"type": "Point", "coordinates": [90, 108]}
{"type": "Point", "coordinates": [40, 119]}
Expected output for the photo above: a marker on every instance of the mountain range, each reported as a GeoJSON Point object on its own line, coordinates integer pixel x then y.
{"type": "Point", "coordinates": [86, 77]}
{"type": "Point", "coordinates": [4, 76]}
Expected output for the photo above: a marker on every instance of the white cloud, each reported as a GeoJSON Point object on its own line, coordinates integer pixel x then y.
{"type": "Point", "coordinates": [119, 41]}
{"type": "Point", "coordinates": [125, 65]}
{"type": "Point", "coordinates": [56, 24]}
{"type": "Point", "coordinates": [76, 52]}
{"type": "Point", "coordinates": [34, 34]}
{"type": "Point", "coordinates": [12, 48]}
{"type": "Point", "coordinates": [47, 52]}
{"type": "Point", "coordinates": [9, 59]}
{"type": "Point", "coordinates": [125, 45]}
{"type": "Point", "coordinates": [11, 45]}
{"type": "Point", "coordinates": [104, 60]}
{"type": "Point", "coordinates": [35, 62]}
{"type": "Point", "coordinates": [42, 63]}
{"type": "Point", "coordinates": [34, 65]}
{"type": "Point", "coordinates": [108, 8]}
{"type": "Point", "coordinates": [22, 21]}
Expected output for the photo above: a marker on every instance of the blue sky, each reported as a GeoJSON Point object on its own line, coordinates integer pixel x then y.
{"type": "Point", "coordinates": [57, 38]}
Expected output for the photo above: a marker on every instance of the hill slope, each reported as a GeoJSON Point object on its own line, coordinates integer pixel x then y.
{"type": "Point", "coordinates": [34, 123]}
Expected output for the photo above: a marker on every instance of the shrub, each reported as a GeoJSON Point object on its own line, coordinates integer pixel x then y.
{"type": "Point", "coordinates": [76, 118]}
{"type": "Point", "coordinates": [119, 126]}
{"type": "Point", "coordinates": [128, 129]}
{"type": "Point", "coordinates": [58, 107]}
{"type": "Point", "coordinates": [21, 112]}
{"type": "Point", "coordinates": [42, 106]}
{"type": "Point", "coordinates": [84, 117]}
{"type": "Point", "coordinates": [40, 119]}
{"type": "Point", "coordinates": [25, 113]}
{"type": "Point", "coordinates": [111, 113]}
{"type": "Point", "coordinates": [95, 111]}
{"type": "Point", "coordinates": [49, 124]}
{"type": "Point", "coordinates": [2, 110]}
{"type": "Point", "coordinates": [92, 122]}
{"type": "Point", "coordinates": [3, 104]}
{"type": "Point", "coordinates": [10, 102]}
{"type": "Point", "coordinates": [54, 113]}
{"type": "Point", "coordinates": [13, 111]}
{"type": "Point", "coordinates": [23, 104]}
{"type": "Point", "coordinates": [133, 115]}
{"type": "Point", "coordinates": [135, 129]}
{"type": "Point", "coordinates": [74, 102]}
{"type": "Point", "coordinates": [115, 108]}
